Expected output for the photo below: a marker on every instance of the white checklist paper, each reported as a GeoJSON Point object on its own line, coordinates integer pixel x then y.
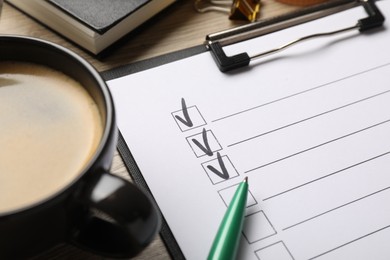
{"type": "Point", "coordinates": [309, 127]}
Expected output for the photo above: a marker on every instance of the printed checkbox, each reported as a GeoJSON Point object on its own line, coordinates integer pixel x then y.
{"type": "Point", "coordinates": [257, 227]}
{"type": "Point", "coordinates": [220, 169]}
{"type": "Point", "coordinates": [227, 195]}
{"type": "Point", "coordinates": [192, 120]}
{"type": "Point", "coordinates": [204, 143]}
{"type": "Point", "coordinates": [276, 251]}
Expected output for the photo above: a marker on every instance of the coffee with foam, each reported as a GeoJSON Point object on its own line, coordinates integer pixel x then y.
{"type": "Point", "coordinates": [50, 128]}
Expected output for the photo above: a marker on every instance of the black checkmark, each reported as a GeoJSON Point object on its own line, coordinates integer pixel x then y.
{"type": "Point", "coordinates": [223, 173]}
{"type": "Point", "coordinates": [187, 120]}
{"type": "Point", "coordinates": [206, 147]}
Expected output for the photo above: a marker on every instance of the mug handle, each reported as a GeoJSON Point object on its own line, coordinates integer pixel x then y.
{"type": "Point", "coordinates": [117, 219]}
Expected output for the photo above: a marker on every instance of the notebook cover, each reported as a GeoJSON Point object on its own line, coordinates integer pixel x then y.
{"type": "Point", "coordinates": [99, 15]}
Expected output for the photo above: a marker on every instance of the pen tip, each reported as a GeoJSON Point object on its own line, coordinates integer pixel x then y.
{"type": "Point", "coordinates": [246, 179]}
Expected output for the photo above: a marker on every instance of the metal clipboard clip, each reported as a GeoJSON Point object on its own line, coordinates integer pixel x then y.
{"type": "Point", "coordinates": [225, 63]}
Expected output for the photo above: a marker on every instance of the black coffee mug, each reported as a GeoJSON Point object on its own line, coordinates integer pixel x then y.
{"type": "Point", "coordinates": [120, 222]}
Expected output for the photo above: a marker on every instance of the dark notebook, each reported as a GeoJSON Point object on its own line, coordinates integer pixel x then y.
{"type": "Point", "coordinates": [100, 15]}
{"type": "Point", "coordinates": [92, 24]}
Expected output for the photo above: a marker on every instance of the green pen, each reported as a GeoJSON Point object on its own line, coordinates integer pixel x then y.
{"type": "Point", "coordinates": [226, 241]}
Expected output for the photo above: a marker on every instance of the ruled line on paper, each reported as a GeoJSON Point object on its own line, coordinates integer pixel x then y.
{"type": "Point", "coordinates": [336, 208]}
{"type": "Point", "coordinates": [326, 176]}
{"type": "Point", "coordinates": [317, 146]}
{"type": "Point", "coordinates": [303, 92]}
{"type": "Point", "coordinates": [309, 118]}
{"type": "Point", "coordinates": [350, 242]}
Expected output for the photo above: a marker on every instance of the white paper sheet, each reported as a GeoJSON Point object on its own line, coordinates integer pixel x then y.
{"type": "Point", "coordinates": [309, 126]}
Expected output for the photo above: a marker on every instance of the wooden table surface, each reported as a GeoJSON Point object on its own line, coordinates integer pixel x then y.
{"type": "Point", "coordinates": [178, 27]}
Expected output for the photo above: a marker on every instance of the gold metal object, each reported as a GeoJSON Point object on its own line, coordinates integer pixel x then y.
{"type": "Point", "coordinates": [245, 9]}
{"type": "Point", "coordinates": [237, 9]}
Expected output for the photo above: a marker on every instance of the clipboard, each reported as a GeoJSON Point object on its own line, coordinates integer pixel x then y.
{"type": "Point", "coordinates": [214, 44]}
